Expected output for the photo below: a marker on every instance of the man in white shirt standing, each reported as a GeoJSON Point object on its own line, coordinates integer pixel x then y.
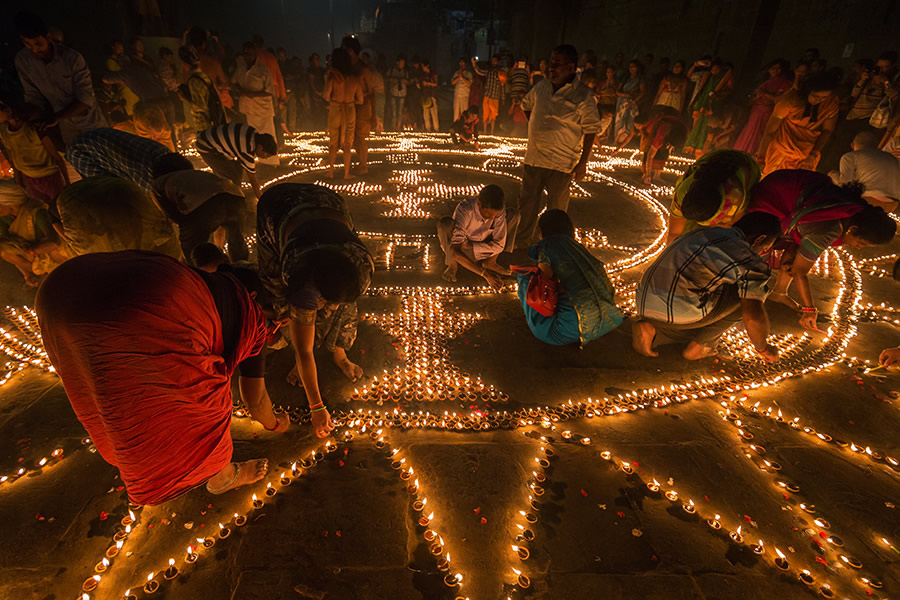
{"type": "Point", "coordinates": [562, 123]}
{"type": "Point", "coordinates": [253, 81]}
{"type": "Point", "coordinates": [878, 171]}
{"type": "Point", "coordinates": [56, 81]}
{"type": "Point", "coordinates": [480, 229]}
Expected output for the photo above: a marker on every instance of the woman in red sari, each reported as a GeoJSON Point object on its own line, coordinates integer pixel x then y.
{"type": "Point", "coordinates": [763, 102]}
{"type": "Point", "coordinates": [146, 348]}
{"type": "Point", "coordinates": [815, 214]}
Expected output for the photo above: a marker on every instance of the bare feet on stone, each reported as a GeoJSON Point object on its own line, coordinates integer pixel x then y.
{"type": "Point", "coordinates": [642, 334]}
{"type": "Point", "coordinates": [695, 351]}
{"type": "Point", "coordinates": [352, 370]}
{"type": "Point", "coordinates": [449, 274]}
{"type": "Point", "coordinates": [248, 472]}
{"type": "Point", "coordinates": [784, 299]}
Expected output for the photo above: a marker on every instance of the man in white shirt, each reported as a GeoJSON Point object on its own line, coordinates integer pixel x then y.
{"type": "Point", "coordinates": [56, 81]}
{"type": "Point", "coordinates": [480, 229]}
{"type": "Point", "coordinates": [253, 81]}
{"type": "Point", "coordinates": [876, 170]}
{"type": "Point", "coordinates": [562, 123]}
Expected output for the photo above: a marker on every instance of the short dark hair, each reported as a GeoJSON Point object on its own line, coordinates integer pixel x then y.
{"type": "Point", "coordinates": [266, 141]}
{"type": "Point", "coordinates": [341, 61]}
{"type": "Point", "coordinates": [249, 277]}
{"type": "Point", "coordinates": [889, 55]}
{"type": "Point", "coordinates": [196, 36]}
{"type": "Point", "coordinates": [819, 82]}
{"type": "Point", "coordinates": [168, 163]}
{"type": "Point", "coordinates": [568, 52]}
{"type": "Point", "coordinates": [874, 225]}
{"type": "Point", "coordinates": [207, 255]}
{"type": "Point", "coordinates": [491, 196]}
{"type": "Point", "coordinates": [556, 222]}
{"type": "Point", "coordinates": [29, 25]}
{"type": "Point", "coordinates": [755, 224]}
{"type": "Point", "coordinates": [165, 51]}
{"type": "Point", "coordinates": [351, 42]}
{"type": "Point", "coordinates": [330, 272]}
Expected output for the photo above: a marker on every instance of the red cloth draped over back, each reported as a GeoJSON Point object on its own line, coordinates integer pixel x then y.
{"type": "Point", "coordinates": [136, 338]}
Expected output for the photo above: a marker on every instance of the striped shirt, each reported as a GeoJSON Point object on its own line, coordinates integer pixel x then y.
{"type": "Point", "coordinates": [234, 140]}
{"type": "Point", "coordinates": [684, 283]}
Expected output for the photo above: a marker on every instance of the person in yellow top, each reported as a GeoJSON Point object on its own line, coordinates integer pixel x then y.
{"type": "Point", "coordinates": [713, 192]}
{"type": "Point", "coordinates": [115, 62]}
{"type": "Point", "coordinates": [37, 164]}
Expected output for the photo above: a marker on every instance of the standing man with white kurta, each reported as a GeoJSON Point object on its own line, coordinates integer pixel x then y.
{"type": "Point", "coordinates": [562, 123]}
{"type": "Point", "coordinates": [253, 81]}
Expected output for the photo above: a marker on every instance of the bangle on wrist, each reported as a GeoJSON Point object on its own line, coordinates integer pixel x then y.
{"type": "Point", "coordinates": [809, 309]}
{"type": "Point", "coordinates": [277, 423]}
{"type": "Point", "coordinates": [316, 405]}
{"type": "Point", "coordinates": [317, 409]}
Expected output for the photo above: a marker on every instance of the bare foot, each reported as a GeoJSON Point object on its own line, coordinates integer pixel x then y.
{"type": "Point", "coordinates": [492, 265]}
{"type": "Point", "coordinates": [695, 351]}
{"type": "Point", "coordinates": [450, 274]}
{"type": "Point", "coordinates": [349, 176]}
{"type": "Point", "coordinates": [642, 334]}
{"type": "Point", "coordinates": [227, 479]}
{"type": "Point", "coordinates": [293, 378]}
{"type": "Point", "coordinates": [352, 370]}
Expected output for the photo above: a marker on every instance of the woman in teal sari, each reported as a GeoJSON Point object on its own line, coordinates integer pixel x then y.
{"type": "Point", "coordinates": [715, 87]}
{"type": "Point", "coordinates": [585, 307]}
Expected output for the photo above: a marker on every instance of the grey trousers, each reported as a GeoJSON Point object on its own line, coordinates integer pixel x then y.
{"type": "Point", "coordinates": [445, 231]}
{"type": "Point", "coordinates": [534, 181]}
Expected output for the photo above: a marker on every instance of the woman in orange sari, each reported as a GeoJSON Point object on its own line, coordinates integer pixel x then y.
{"type": "Point", "coordinates": [800, 126]}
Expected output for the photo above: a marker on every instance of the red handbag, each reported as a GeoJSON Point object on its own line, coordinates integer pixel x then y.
{"type": "Point", "coordinates": [542, 290]}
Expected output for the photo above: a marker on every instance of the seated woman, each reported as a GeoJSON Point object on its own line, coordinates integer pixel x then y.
{"type": "Point", "coordinates": [315, 267]}
{"type": "Point", "coordinates": [814, 214]}
{"type": "Point", "coordinates": [712, 192]}
{"type": "Point", "coordinates": [585, 307]}
{"type": "Point", "coordinates": [108, 214]}
{"type": "Point", "coordinates": [148, 368]}
{"type": "Point", "coordinates": [27, 238]}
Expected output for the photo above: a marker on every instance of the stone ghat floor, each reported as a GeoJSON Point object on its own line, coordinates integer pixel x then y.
{"type": "Point", "coordinates": [345, 527]}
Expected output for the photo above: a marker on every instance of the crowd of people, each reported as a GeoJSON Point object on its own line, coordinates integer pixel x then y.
{"type": "Point", "coordinates": [146, 317]}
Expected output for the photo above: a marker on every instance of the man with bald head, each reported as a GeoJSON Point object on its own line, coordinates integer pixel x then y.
{"type": "Point", "coordinates": [878, 171]}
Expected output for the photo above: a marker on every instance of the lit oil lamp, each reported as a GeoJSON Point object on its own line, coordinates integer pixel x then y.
{"type": "Point", "coordinates": [835, 541]}
{"type": "Point", "coordinates": [736, 535]}
{"type": "Point", "coordinates": [689, 507]}
{"type": "Point", "coordinates": [122, 534]}
{"type": "Point", "coordinates": [822, 523]}
{"type": "Point", "coordinates": [826, 592]}
{"type": "Point", "coordinates": [525, 534]}
{"type": "Point", "coordinates": [443, 563]}
{"type": "Point", "coordinates": [114, 549]}
{"type": "Point", "coordinates": [653, 486]}
{"type": "Point", "coordinates": [781, 562]}
{"type": "Point", "coordinates": [90, 583]}
{"type": "Point", "coordinates": [270, 491]}
{"type": "Point", "coordinates": [521, 551]}
{"type": "Point", "coordinates": [566, 435]}
{"type": "Point", "coordinates": [425, 520]}
{"type": "Point", "coordinates": [522, 580]}
{"type": "Point", "coordinates": [151, 586]}
{"type": "Point", "coordinates": [806, 577]}
{"type": "Point", "coordinates": [257, 503]}
{"type": "Point", "coordinates": [224, 532]}
{"type": "Point", "coordinates": [128, 519]}
{"type": "Point", "coordinates": [429, 535]}
{"type": "Point", "coordinates": [627, 469]}
{"type": "Point", "coordinates": [606, 455]}
{"type": "Point", "coordinates": [128, 595]}
{"type": "Point", "coordinates": [586, 441]}
{"type": "Point", "coordinates": [172, 571]}
{"type": "Point", "coordinates": [413, 488]}
{"type": "Point", "coordinates": [758, 449]}
{"type": "Point", "coordinates": [757, 548]}
{"type": "Point", "coordinates": [191, 556]}
{"type": "Point", "coordinates": [101, 566]}
{"type": "Point", "coordinates": [852, 562]}
{"type": "Point", "coordinates": [872, 583]}
{"type": "Point", "coordinates": [745, 434]}
{"type": "Point", "coordinates": [453, 580]}
{"type": "Point", "coordinates": [240, 520]}
{"type": "Point", "coordinates": [672, 496]}
{"type": "Point", "coordinates": [810, 508]}
{"type": "Point", "coordinates": [773, 465]}
{"type": "Point", "coordinates": [285, 480]}
{"type": "Point", "coordinates": [419, 505]}
{"type": "Point", "coordinates": [437, 547]}
{"type": "Point", "coordinates": [207, 542]}
{"type": "Point", "coordinates": [714, 522]}
{"type": "Point", "coordinates": [530, 517]}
